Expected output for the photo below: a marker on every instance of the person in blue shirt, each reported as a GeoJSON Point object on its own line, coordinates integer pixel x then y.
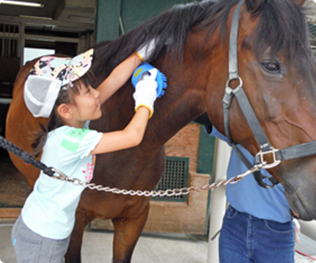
{"type": "Point", "coordinates": [257, 226]}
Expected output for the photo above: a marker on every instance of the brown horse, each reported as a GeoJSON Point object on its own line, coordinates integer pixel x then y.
{"type": "Point", "coordinates": [278, 73]}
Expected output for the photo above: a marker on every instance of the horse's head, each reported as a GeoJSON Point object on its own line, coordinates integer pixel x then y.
{"type": "Point", "coordinates": [278, 73]}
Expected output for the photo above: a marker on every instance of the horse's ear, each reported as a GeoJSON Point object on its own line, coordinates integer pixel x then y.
{"type": "Point", "coordinates": [299, 2]}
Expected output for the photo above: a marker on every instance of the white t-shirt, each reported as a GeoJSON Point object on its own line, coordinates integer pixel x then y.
{"type": "Point", "coordinates": [50, 208]}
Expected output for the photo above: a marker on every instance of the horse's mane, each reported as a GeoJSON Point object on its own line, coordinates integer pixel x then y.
{"type": "Point", "coordinates": [172, 27]}
{"type": "Point", "coordinates": [281, 27]}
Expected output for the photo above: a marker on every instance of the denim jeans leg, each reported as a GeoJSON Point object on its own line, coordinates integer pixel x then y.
{"type": "Point", "coordinates": [245, 238]}
{"type": "Point", "coordinates": [233, 238]}
{"type": "Point", "coordinates": [274, 242]}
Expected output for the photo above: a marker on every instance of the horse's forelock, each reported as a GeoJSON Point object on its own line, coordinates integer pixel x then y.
{"type": "Point", "coordinates": [281, 28]}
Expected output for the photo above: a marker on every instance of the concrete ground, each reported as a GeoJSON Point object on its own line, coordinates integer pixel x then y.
{"type": "Point", "coordinates": [151, 248]}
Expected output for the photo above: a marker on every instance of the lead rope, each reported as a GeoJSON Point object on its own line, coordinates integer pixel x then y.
{"type": "Point", "coordinates": [27, 158]}
{"type": "Point", "coordinates": [53, 172]}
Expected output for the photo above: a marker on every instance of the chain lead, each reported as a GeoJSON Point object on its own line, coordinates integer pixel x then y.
{"type": "Point", "coordinates": [160, 193]}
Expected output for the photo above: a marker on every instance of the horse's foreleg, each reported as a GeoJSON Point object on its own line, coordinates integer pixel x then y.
{"type": "Point", "coordinates": [83, 218]}
{"type": "Point", "coordinates": [126, 235]}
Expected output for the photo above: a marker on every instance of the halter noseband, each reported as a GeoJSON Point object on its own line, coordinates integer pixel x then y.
{"type": "Point", "coordinates": [292, 152]}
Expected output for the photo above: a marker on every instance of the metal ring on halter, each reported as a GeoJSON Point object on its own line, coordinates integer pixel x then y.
{"type": "Point", "coordinates": [260, 159]}
{"type": "Point", "coordinates": [240, 81]}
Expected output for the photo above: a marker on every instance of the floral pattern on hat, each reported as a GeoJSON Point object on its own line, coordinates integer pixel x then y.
{"type": "Point", "coordinates": [64, 69]}
{"type": "Point", "coordinates": [48, 76]}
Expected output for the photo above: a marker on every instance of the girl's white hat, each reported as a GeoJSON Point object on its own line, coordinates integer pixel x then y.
{"type": "Point", "coordinates": [47, 77]}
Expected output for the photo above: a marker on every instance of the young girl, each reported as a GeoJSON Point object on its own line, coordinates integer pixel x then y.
{"type": "Point", "coordinates": [59, 89]}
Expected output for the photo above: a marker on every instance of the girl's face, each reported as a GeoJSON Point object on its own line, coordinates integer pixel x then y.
{"type": "Point", "coordinates": [86, 105]}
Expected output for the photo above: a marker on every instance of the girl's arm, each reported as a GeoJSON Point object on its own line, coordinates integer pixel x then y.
{"type": "Point", "coordinates": [145, 95]}
{"type": "Point", "coordinates": [131, 136]}
{"type": "Point", "coordinates": [118, 77]}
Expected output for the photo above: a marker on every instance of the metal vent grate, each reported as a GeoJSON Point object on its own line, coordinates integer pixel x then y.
{"type": "Point", "coordinates": [175, 177]}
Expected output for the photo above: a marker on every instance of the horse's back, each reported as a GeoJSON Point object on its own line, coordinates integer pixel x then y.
{"type": "Point", "coordinates": [20, 125]}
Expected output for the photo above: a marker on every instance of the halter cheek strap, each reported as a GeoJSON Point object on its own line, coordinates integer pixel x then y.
{"type": "Point", "coordinates": [246, 107]}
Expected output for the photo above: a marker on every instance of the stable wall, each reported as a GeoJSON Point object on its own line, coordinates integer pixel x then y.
{"type": "Point", "coordinates": [116, 17]}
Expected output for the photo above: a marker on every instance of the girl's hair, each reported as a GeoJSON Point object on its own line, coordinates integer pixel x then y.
{"type": "Point", "coordinates": [65, 95]}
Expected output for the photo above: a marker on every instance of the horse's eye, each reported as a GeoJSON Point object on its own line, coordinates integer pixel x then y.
{"type": "Point", "coordinates": [272, 67]}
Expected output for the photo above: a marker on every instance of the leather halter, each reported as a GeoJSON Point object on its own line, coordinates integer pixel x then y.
{"type": "Point", "coordinates": [292, 152]}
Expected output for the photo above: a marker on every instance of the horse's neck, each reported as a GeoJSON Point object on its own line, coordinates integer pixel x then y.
{"type": "Point", "coordinates": [171, 115]}
{"type": "Point", "coordinates": [184, 99]}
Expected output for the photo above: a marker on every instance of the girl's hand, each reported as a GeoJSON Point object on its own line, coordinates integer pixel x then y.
{"type": "Point", "coordinates": [145, 51]}
{"type": "Point", "coordinates": [146, 91]}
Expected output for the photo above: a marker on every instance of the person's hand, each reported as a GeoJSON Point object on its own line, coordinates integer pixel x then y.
{"type": "Point", "coordinates": [146, 50]}
{"type": "Point", "coordinates": [146, 91]}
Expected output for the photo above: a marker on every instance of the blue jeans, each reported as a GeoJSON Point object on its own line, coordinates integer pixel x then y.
{"type": "Point", "coordinates": [244, 239]}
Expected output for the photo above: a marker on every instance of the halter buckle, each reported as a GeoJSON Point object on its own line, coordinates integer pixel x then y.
{"type": "Point", "coordinates": [262, 163]}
